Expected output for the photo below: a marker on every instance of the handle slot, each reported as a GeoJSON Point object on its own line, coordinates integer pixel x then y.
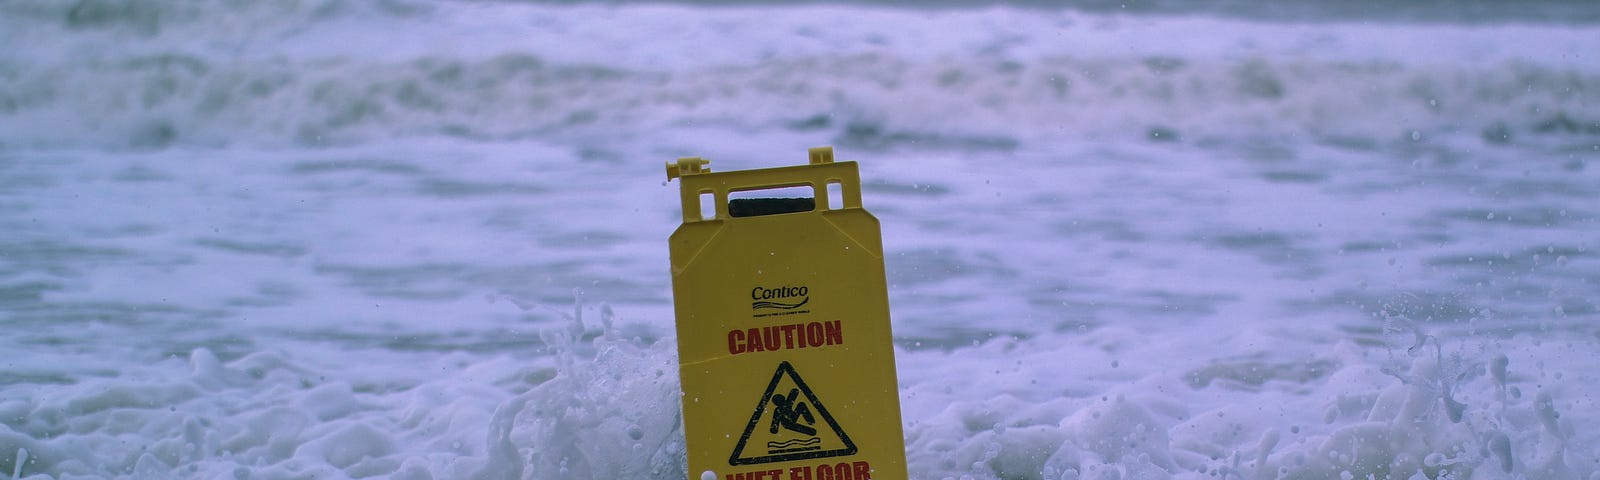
{"type": "Point", "coordinates": [771, 201]}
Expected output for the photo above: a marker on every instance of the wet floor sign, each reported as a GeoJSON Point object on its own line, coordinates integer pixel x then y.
{"type": "Point", "coordinates": [783, 325]}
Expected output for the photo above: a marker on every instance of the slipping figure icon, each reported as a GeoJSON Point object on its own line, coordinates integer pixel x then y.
{"type": "Point", "coordinates": [789, 412]}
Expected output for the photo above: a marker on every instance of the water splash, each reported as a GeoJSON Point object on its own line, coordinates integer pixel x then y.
{"type": "Point", "coordinates": [609, 411]}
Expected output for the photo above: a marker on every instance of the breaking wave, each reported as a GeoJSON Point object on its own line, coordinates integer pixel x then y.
{"type": "Point", "coordinates": [165, 99]}
{"type": "Point", "coordinates": [162, 73]}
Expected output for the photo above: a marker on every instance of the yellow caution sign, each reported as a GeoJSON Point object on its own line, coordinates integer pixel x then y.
{"type": "Point", "coordinates": [783, 326]}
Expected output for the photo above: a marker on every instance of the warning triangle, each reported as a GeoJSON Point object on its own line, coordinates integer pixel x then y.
{"type": "Point", "coordinates": [789, 424]}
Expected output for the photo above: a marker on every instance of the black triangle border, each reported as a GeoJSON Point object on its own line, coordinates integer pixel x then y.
{"type": "Point", "coordinates": [761, 407]}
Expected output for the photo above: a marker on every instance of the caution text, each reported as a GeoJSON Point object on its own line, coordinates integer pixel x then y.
{"type": "Point", "coordinates": [785, 337]}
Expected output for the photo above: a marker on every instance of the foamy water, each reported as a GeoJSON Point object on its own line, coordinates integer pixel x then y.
{"type": "Point", "coordinates": [428, 241]}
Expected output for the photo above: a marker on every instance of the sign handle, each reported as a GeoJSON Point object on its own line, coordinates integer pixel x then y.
{"type": "Point", "coordinates": [818, 174]}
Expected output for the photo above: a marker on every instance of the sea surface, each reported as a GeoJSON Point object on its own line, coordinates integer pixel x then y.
{"type": "Point", "coordinates": [427, 240]}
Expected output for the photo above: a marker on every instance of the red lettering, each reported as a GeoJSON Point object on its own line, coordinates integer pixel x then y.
{"type": "Point", "coordinates": [785, 337]}
{"type": "Point", "coordinates": [772, 339]}
{"type": "Point", "coordinates": [825, 472]}
{"type": "Point", "coordinates": [756, 475]}
{"type": "Point", "coordinates": [862, 470]}
{"type": "Point", "coordinates": [788, 335]}
{"type": "Point", "coordinates": [754, 339]}
{"type": "Point", "coordinates": [814, 333]}
{"type": "Point", "coordinates": [799, 473]}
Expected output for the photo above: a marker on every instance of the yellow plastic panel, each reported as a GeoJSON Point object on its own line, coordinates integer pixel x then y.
{"type": "Point", "coordinates": [783, 331]}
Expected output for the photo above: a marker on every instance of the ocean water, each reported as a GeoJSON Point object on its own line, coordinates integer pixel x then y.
{"type": "Point", "coordinates": [297, 239]}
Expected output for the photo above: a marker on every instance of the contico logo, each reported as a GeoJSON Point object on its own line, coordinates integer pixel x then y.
{"type": "Point", "coordinates": [779, 298]}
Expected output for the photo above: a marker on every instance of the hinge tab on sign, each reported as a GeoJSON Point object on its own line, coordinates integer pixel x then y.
{"type": "Point", "coordinates": [694, 165]}
{"type": "Point", "coordinates": [820, 155]}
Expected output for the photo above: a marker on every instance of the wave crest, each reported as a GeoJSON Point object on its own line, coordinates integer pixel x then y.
{"type": "Point", "coordinates": [868, 99]}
